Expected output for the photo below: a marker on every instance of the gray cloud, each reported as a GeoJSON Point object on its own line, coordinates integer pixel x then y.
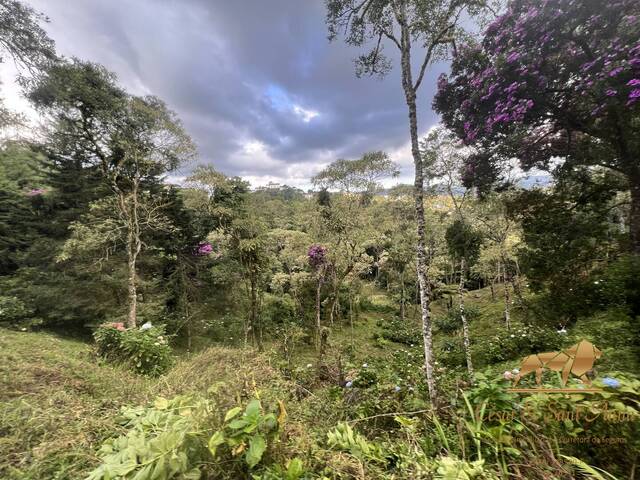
{"type": "Point", "coordinates": [257, 84]}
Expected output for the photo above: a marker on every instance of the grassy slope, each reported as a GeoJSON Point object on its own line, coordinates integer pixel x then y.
{"type": "Point", "coordinates": [57, 404]}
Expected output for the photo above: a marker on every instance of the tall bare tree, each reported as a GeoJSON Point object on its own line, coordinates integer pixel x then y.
{"type": "Point", "coordinates": [429, 30]}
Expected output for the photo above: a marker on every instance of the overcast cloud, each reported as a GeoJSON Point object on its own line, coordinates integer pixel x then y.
{"type": "Point", "coordinates": [256, 83]}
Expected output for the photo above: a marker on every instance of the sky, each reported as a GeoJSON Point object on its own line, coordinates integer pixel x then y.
{"type": "Point", "coordinates": [257, 84]}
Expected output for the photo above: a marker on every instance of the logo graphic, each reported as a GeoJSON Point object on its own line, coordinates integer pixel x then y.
{"type": "Point", "coordinates": [577, 359]}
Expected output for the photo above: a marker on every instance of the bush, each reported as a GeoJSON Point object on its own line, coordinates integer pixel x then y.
{"type": "Point", "coordinates": [452, 353]}
{"type": "Point", "coordinates": [146, 351]}
{"type": "Point", "coordinates": [507, 344]}
{"type": "Point", "coordinates": [13, 310]}
{"type": "Point", "coordinates": [452, 321]}
{"type": "Point", "coordinates": [401, 331]}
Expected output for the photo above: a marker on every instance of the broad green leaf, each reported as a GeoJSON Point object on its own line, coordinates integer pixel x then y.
{"type": "Point", "coordinates": [253, 409]}
{"type": "Point", "coordinates": [238, 424]}
{"type": "Point", "coordinates": [215, 441]}
{"type": "Point", "coordinates": [232, 413]}
{"type": "Point", "coordinates": [295, 469]}
{"type": "Point", "coordinates": [257, 446]}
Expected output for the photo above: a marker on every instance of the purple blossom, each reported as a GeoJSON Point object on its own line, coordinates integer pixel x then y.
{"type": "Point", "coordinates": [610, 92]}
{"type": "Point", "coordinates": [615, 71]}
{"type": "Point", "coordinates": [204, 248]}
{"type": "Point", "coordinates": [513, 56]}
{"type": "Point", "coordinates": [36, 192]}
{"type": "Point", "coordinates": [635, 94]}
{"type": "Point", "coordinates": [317, 255]}
{"type": "Point", "coordinates": [634, 83]}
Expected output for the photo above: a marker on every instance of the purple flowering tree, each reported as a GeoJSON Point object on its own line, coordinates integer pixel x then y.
{"type": "Point", "coordinates": [551, 79]}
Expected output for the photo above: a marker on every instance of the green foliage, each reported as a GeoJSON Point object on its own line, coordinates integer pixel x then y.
{"type": "Point", "coordinates": [507, 344]}
{"type": "Point", "coordinates": [13, 310]}
{"type": "Point", "coordinates": [342, 437]}
{"type": "Point", "coordinates": [400, 331]}
{"type": "Point", "coordinates": [247, 434]}
{"type": "Point", "coordinates": [452, 320]}
{"type": "Point", "coordinates": [452, 468]}
{"type": "Point", "coordinates": [463, 242]}
{"type": "Point", "coordinates": [145, 351]}
{"type": "Point", "coordinates": [162, 442]}
{"type": "Point", "coordinates": [293, 470]}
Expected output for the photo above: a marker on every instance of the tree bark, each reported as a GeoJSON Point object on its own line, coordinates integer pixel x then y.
{"type": "Point", "coordinates": [318, 319]}
{"type": "Point", "coordinates": [634, 214]}
{"type": "Point", "coordinates": [418, 192]}
{"type": "Point", "coordinates": [253, 319]}
{"type": "Point", "coordinates": [402, 297]}
{"type": "Point", "coordinates": [134, 245]}
{"type": "Point", "coordinates": [465, 326]}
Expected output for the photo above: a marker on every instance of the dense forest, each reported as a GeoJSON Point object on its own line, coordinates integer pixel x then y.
{"type": "Point", "coordinates": [355, 330]}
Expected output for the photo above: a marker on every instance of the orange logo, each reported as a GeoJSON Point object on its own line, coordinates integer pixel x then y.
{"type": "Point", "coordinates": [577, 359]}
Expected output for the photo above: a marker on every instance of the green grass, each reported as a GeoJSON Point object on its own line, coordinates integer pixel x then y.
{"type": "Point", "coordinates": [58, 403]}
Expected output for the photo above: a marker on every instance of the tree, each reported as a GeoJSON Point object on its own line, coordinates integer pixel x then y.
{"type": "Point", "coordinates": [225, 203]}
{"type": "Point", "coordinates": [22, 36]}
{"type": "Point", "coordinates": [357, 180]}
{"type": "Point", "coordinates": [433, 26]}
{"type": "Point", "coordinates": [443, 159]}
{"type": "Point", "coordinates": [551, 80]}
{"type": "Point", "coordinates": [131, 141]}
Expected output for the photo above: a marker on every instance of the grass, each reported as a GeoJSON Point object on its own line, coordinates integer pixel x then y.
{"type": "Point", "coordinates": [58, 403]}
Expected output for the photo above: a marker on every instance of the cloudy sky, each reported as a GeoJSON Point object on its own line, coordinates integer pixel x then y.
{"type": "Point", "coordinates": [257, 84]}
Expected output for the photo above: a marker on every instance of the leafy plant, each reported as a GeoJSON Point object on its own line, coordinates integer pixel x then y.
{"type": "Point", "coordinates": [342, 437]}
{"type": "Point", "coordinates": [249, 434]}
{"type": "Point", "coordinates": [146, 351]}
{"type": "Point", "coordinates": [163, 442]}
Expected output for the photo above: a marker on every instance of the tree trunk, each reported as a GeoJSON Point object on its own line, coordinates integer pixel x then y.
{"type": "Point", "coordinates": [634, 215]}
{"type": "Point", "coordinates": [253, 319]}
{"type": "Point", "coordinates": [134, 245]}
{"type": "Point", "coordinates": [402, 296]}
{"type": "Point", "coordinates": [507, 305]}
{"type": "Point", "coordinates": [465, 326]}
{"type": "Point", "coordinates": [418, 192]}
{"type": "Point", "coordinates": [318, 320]}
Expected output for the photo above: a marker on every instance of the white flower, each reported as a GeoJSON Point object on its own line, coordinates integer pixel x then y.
{"type": "Point", "coordinates": [515, 371]}
{"type": "Point", "coordinates": [513, 336]}
{"type": "Point", "coordinates": [365, 365]}
{"type": "Point", "coordinates": [146, 326]}
{"type": "Point", "coordinates": [348, 384]}
{"type": "Point", "coordinates": [309, 365]}
{"type": "Point", "coordinates": [507, 375]}
{"type": "Point", "coordinates": [397, 388]}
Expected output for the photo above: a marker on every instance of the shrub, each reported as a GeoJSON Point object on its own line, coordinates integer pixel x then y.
{"type": "Point", "coordinates": [163, 441]}
{"type": "Point", "coordinates": [507, 344]}
{"type": "Point", "coordinates": [452, 352]}
{"type": "Point", "coordinates": [401, 331]}
{"type": "Point", "coordinates": [452, 321]}
{"type": "Point", "coordinates": [146, 351]}
{"type": "Point", "coordinates": [12, 310]}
